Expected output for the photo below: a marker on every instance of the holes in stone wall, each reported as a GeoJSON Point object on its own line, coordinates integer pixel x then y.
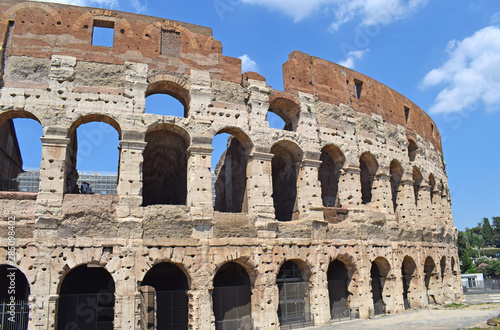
{"type": "Point", "coordinates": [103, 33]}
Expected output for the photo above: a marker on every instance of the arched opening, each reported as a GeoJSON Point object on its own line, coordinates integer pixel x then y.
{"type": "Point", "coordinates": [430, 282]}
{"type": "Point", "coordinates": [443, 267]}
{"type": "Point", "coordinates": [165, 167]}
{"type": "Point", "coordinates": [232, 298]}
{"type": "Point", "coordinates": [20, 151]}
{"type": "Point", "coordinates": [285, 167]}
{"type": "Point", "coordinates": [338, 283]}
{"type": "Point", "coordinates": [14, 294]}
{"type": "Point", "coordinates": [86, 299]}
{"type": "Point", "coordinates": [92, 157]}
{"type": "Point", "coordinates": [412, 150]}
{"type": "Point", "coordinates": [396, 172]}
{"type": "Point", "coordinates": [293, 287]}
{"type": "Point", "coordinates": [417, 182]}
{"type": "Point", "coordinates": [165, 105]}
{"type": "Point", "coordinates": [378, 273]}
{"type": "Point", "coordinates": [432, 185]}
{"type": "Point", "coordinates": [230, 171]}
{"type": "Point", "coordinates": [164, 299]}
{"type": "Point", "coordinates": [167, 98]}
{"type": "Point", "coordinates": [368, 166]}
{"type": "Point", "coordinates": [408, 273]}
{"type": "Point", "coordinates": [453, 271]}
{"type": "Point", "coordinates": [332, 161]}
{"type": "Point", "coordinates": [287, 110]}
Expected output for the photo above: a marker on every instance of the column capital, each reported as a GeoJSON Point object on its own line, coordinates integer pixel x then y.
{"type": "Point", "coordinates": [352, 170]}
{"type": "Point", "coordinates": [264, 156]}
{"type": "Point", "coordinates": [311, 163]}
{"type": "Point", "coordinates": [199, 150]}
{"type": "Point", "coordinates": [138, 145]}
{"type": "Point", "coordinates": [57, 141]}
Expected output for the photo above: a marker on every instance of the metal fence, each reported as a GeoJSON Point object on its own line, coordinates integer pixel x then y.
{"type": "Point", "coordinates": [296, 321]}
{"type": "Point", "coordinates": [15, 316]}
{"type": "Point", "coordinates": [235, 324]}
{"type": "Point", "coordinates": [93, 311]}
{"type": "Point", "coordinates": [341, 314]}
{"type": "Point", "coordinates": [484, 286]}
{"type": "Point", "coordinates": [379, 308]}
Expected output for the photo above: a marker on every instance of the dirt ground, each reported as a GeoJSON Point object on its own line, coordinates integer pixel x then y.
{"type": "Point", "coordinates": [462, 317]}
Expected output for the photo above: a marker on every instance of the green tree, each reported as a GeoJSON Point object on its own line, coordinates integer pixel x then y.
{"type": "Point", "coordinates": [488, 234]}
{"type": "Point", "coordinates": [496, 229]}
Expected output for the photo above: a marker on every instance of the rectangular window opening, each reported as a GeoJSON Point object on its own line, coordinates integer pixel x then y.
{"type": "Point", "coordinates": [432, 129]}
{"type": "Point", "coordinates": [407, 114]}
{"type": "Point", "coordinates": [358, 85]}
{"type": "Point", "coordinates": [103, 33]}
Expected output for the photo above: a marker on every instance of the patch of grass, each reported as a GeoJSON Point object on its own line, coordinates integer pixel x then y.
{"type": "Point", "coordinates": [453, 305]}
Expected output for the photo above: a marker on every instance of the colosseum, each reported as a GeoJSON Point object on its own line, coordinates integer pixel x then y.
{"type": "Point", "coordinates": [343, 213]}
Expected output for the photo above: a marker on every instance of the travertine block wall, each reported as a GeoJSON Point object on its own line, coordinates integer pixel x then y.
{"type": "Point", "coordinates": [55, 76]}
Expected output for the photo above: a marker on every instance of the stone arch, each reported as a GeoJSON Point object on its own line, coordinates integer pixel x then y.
{"type": "Point", "coordinates": [89, 17]}
{"type": "Point", "coordinates": [212, 45]}
{"type": "Point", "coordinates": [432, 185]}
{"type": "Point", "coordinates": [11, 276]}
{"type": "Point", "coordinates": [417, 182]}
{"type": "Point", "coordinates": [173, 85]}
{"type": "Point", "coordinates": [338, 289]}
{"type": "Point", "coordinates": [164, 299]}
{"type": "Point", "coordinates": [72, 175]}
{"type": "Point", "coordinates": [332, 162]}
{"type": "Point", "coordinates": [11, 12]}
{"type": "Point", "coordinates": [396, 173]}
{"type": "Point", "coordinates": [410, 283]}
{"type": "Point", "coordinates": [14, 114]}
{"type": "Point", "coordinates": [165, 165]}
{"type": "Point", "coordinates": [293, 290]}
{"type": "Point", "coordinates": [84, 283]}
{"type": "Point", "coordinates": [287, 108]}
{"type": "Point", "coordinates": [232, 296]}
{"type": "Point", "coordinates": [380, 270]}
{"type": "Point", "coordinates": [167, 25]}
{"type": "Point", "coordinates": [442, 264]}
{"type": "Point", "coordinates": [231, 172]}
{"type": "Point", "coordinates": [369, 167]}
{"type": "Point", "coordinates": [431, 285]}
{"type": "Point", "coordinates": [285, 167]}
{"type": "Point", "coordinates": [453, 265]}
{"type": "Point", "coordinates": [412, 150]}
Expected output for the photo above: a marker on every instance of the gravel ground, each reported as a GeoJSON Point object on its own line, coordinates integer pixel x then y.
{"type": "Point", "coordinates": [440, 318]}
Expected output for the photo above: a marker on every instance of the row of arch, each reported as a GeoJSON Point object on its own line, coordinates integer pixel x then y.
{"type": "Point", "coordinates": [165, 169]}
{"type": "Point", "coordinates": [87, 292]}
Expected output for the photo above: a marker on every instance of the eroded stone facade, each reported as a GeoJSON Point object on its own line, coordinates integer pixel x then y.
{"type": "Point", "coordinates": [358, 173]}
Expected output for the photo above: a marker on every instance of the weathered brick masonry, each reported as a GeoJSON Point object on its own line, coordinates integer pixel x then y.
{"type": "Point", "coordinates": [349, 202]}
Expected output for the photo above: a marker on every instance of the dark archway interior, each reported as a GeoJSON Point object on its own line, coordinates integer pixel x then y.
{"type": "Point", "coordinates": [11, 275]}
{"type": "Point", "coordinates": [332, 162]}
{"type": "Point", "coordinates": [284, 175]}
{"type": "Point", "coordinates": [164, 291]}
{"type": "Point", "coordinates": [443, 267]}
{"type": "Point", "coordinates": [429, 269]}
{"type": "Point", "coordinates": [368, 166]}
{"type": "Point", "coordinates": [86, 299]}
{"type": "Point", "coordinates": [396, 171]}
{"type": "Point", "coordinates": [417, 181]}
{"type": "Point", "coordinates": [293, 294]}
{"type": "Point", "coordinates": [232, 297]}
{"type": "Point", "coordinates": [165, 169]}
{"type": "Point", "coordinates": [412, 150]}
{"type": "Point", "coordinates": [231, 183]}
{"type": "Point", "coordinates": [338, 282]}
{"type": "Point", "coordinates": [376, 287]}
{"type": "Point", "coordinates": [407, 272]}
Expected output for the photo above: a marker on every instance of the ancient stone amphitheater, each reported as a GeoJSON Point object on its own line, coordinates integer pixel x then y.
{"type": "Point", "coordinates": [343, 213]}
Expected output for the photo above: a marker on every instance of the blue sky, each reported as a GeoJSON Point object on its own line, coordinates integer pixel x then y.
{"type": "Point", "coordinates": [444, 55]}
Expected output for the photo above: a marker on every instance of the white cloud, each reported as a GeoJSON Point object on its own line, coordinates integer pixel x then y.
{"type": "Point", "coordinates": [471, 73]}
{"type": "Point", "coordinates": [140, 6]}
{"type": "Point", "coordinates": [352, 56]}
{"type": "Point", "coordinates": [298, 9]}
{"type": "Point", "coordinates": [247, 64]}
{"type": "Point", "coordinates": [112, 4]}
{"type": "Point", "coordinates": [369, 12]}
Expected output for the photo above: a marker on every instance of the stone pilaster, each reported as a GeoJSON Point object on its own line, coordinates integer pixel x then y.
{"type": "Point", "coordinates": [382, 194]}
{"type": "Point", "coordinates": [350, 187]}
{"type": "Point", "coordinates": [424, 205]}
{"type": "Point", "coordinates": [309, 191]}
{"type": "Point", "coordinates": [320, 299]}
{"type": "Point", "coordinates": [407, 210]}
{"type": "Point", "coordinates": [436, 206]}
{"type": "Point", "coordinates": [200, 94]}
{"type": "Point", "coordinates": [130, 177]}
{"type": "Point", "coordinates": [258, 103]}
{"type": "Point", "coordinates": [52, 185]}
{"type": "Point", "coordinates": [259, 186]}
